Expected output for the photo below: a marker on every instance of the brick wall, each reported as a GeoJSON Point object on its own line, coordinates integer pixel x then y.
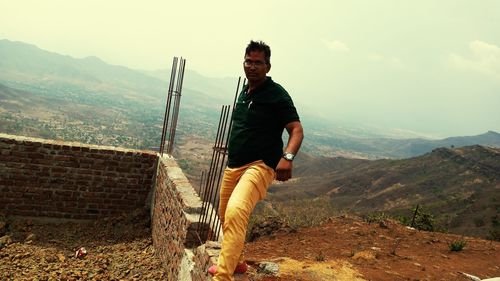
{"type": "Point", "coordinates": [176, 213]}
{"type": "Point", "coordinates": [71, 180]}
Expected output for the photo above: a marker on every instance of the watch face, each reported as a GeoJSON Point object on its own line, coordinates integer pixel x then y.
{"type": "Point", "coordinates": [288, 156]}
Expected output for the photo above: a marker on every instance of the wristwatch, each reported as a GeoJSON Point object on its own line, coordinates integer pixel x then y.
{"type": "Point", "coordinates": [288, 156]}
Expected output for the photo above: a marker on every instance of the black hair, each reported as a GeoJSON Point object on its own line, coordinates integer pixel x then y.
{"type": "Point", "coordinates": [259, 46]}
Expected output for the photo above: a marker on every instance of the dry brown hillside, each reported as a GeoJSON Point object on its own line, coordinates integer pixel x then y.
{"type": "Point", "coordinates": [347, 248]}
{"type": "Point", "coordinates": [460, 186]}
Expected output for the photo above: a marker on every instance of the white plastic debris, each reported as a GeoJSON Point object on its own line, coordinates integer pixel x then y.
{"type": "Point", "coordinates": [80, 253]}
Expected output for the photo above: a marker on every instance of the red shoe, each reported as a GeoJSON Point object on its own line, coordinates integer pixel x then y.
{"type": "Point", "coordinates": [240, 268]}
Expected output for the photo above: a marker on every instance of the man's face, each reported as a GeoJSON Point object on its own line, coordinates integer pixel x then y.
{"type": "Point", "coordinates": [255, 67]}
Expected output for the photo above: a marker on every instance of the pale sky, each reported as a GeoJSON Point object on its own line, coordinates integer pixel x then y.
{"type": "Point", "coordinates": [429, 66]}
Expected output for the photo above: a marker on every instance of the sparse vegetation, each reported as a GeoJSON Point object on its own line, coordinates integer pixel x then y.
{"type": "Point", "coordinates": [494, 234]}
{"type": "Point", "coordinates": [320, 256]}
{"type": "Point", "coordinates": [479, 222]}
{"type": "Point", "coordinates": [376, 217]}
{"type": "Point", "coordinates": [457, 245]}
{"type": "Point", "coordinates": [305, 213]}
{"type": "Point", "coordinates": [424, 220]}
{"type": "Point", "coordinates": [293, 214]}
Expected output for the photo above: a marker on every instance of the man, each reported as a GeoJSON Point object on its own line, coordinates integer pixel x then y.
{"type": "Point", "coordinates": [255, 154]}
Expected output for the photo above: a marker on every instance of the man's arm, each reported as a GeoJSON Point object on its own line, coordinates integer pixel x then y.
{"type": "Point", "coordinates": [296, 134]}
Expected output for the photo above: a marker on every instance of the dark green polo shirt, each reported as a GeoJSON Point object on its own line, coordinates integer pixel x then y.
{"type": "Point", "coordinates": [259, 119]}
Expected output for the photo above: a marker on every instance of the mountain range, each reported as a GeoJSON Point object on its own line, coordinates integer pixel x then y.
{"type": "Point", "coordinates": [128, 104]}
{"type": "Point", "coordinates": [358, 167]}
{"type": "Point", "coordinates": [460, 186]}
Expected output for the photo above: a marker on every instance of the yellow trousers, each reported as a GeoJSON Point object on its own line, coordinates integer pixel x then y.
{"type": "Point", "coordinates": [241, 189]}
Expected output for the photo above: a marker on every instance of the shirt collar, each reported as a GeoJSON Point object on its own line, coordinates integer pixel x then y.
{"type": "Point", "coordinates": [259, 88]}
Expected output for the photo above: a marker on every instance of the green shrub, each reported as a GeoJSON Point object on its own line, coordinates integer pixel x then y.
{"type": "Point", "coordinates": [479, 222]}
{"type": "Point", "coordinates": [494, 234]}
{"type": "Point", "coordinates": [495, 221]}
{"type": "Point", "coordinates": [376, 217]}
{"type": "Point", "coordinates": [457, 245]}
{"type": "Point", "coordinates": [424, 220]}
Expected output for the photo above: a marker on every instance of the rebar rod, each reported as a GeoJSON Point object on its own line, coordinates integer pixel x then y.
{"type": "Point", "coordinates": [208, 217]}
{"type": "Point", "coordinates": [215, 166]}
{"type": "Point", "coordinates": [175, 111]}
{"type": "Point", "coordinates": [169, 101]}
{"type": "Point", "coordinates": [165, 119]}
{"type": "Point", "coordinates": [206, 190]}
{"type": "Point", "coordinates": [201, 184]}
{"type": "Point", "coordinates": [219, 174]}
{"type": "Point", "coordinates": [177, 103]}
{"type": "Point", "coordinates": [217, 229]}
{"type": "Point", "coordinates": [170, 93]}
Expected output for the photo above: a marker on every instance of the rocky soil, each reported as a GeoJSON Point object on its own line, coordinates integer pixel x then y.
{"type": "Point", "coordinates": [119, 248]}
{"type": "Point", "coordinates": [347, 248]}
{"type": "Point", "coordinates": [344, 248]}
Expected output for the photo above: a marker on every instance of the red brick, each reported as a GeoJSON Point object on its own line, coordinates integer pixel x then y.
{"type": "Point", "coordinates": [14, 165]}
{"type": "Point", "coordinates": [29, 148]}
{"type": "Point", "coordinates": [115, 196]}
{"type": "Point", "coordinates": [16, 194]}
{"type": "Point", "coordinates": [32, 167]}
{"type": "Point", "coordinates": [89, 161]}
{"type": "Point", "coordinates": [33, 189]}
{"type": "Point", "coordinates": [134, 176]}
{"type": "Point", "coordinates": [100, 167]}
{"type": "Point", "coordinates": [123, 170]}
{"type": "Point", "coordinates": [66, 164]}
{"type": "Point", "coordinates": [133, 197]}
{"type": "Point", "coordinates": [93, 188]}
{"type": "Point", "coordinates": [58, 169]}
{"type": "Point", "coordinates": [92, 195]}
{"type": "Point", "coordinates": [19, 154]}
{"type": "Point", "coordinates": [62, 158]}
{"type": "Point", "coordinates": [112, 163]}
{"type": "Point", "coordinates": [63, 193]}
{"type": "Point", "coordinates": [26, 213]}
{"type": "Point", "coordinates": [9, 141]}
{"type": "Point", "coordinates": [36, 155]}
{"type": "Point", "coordinates": [85, 166]}
{"type": "Point", "coordinates": [31, 143]}
{"type": "Point", "coordinates": [116, 158]}
{"type": "Point", "coordinates": [47, 145]}
{"type": "Point", "coordinates": [47, 162]}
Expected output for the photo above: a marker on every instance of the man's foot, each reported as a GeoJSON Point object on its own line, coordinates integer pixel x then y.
{"type": "Point", "coordinates": [240, 268]}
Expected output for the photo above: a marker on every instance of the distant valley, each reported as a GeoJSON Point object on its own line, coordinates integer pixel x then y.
{"type": "Point", "coordinates": [49, 95]}
{"type": "Point", "coordinates": [360, 168]}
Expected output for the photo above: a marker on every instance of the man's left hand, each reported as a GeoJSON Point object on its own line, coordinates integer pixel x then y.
{"type": "Point", "coordinates": [284, 170]}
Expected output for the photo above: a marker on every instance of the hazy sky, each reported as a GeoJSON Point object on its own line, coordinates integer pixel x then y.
{"type": "Point", "coordinates": [431, 66]}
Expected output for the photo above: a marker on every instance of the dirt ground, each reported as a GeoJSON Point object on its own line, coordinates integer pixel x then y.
{"type": "Point", "coordinates": [347, 248]}
{"type": "Point", "coordinates": [344, 248]}
{"type": "Point", "coordinates": [117, 249]}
